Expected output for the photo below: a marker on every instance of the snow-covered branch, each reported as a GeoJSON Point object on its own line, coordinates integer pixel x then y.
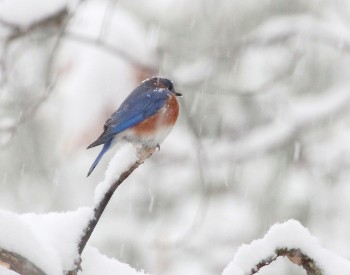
{"type": "Point", "coordinates": [17, 263]}
{"type": "Point", "coordinates": [291, 240]}
{"type": "Point", "coordinates": [296, 256]}
{"type": "Point", "coordinates": [62, 237]}
{"type": "Point", "coordinates": [120, 167]}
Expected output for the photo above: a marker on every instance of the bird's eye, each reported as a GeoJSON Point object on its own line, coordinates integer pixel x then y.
{"type": "Point", "coordinates": [171, 87]}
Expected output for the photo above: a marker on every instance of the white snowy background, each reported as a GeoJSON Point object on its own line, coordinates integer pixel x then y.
{"type": "Point", "coordinates": [263, 135]}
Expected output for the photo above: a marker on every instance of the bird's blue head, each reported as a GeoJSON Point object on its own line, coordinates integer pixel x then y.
{"type": "Point", "coordinates": [163, 83]}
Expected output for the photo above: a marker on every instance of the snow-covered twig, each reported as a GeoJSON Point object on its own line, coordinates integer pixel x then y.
{"type": "Point", "coordinates": [291, 240]}
{"type": "Point", "coordinates": [120, 168]}
{"type": "Point", "coordinates": [40, 244]}
{"type": "Point", "coordinates": [295, 256]}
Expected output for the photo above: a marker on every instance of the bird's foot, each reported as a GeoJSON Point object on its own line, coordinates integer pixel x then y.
{"type": "Point", "coordinates": [144, 153]}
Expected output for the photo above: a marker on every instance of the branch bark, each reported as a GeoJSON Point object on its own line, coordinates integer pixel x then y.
{"type": "Point", "coordinates": [296, 256]}
{"type": "Point", "coordinates": [143, 154]}
{"type": "Point", "coordinates": [18, 263]}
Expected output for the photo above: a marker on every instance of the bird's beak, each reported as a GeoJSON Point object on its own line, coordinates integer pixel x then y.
{"type": "Point", "coordinates": [178, 94]}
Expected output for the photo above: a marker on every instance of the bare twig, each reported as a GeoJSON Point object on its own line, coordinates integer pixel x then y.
{"type": "Point", "coordinates": [112, 49]}
{"type": "Point", "coordinates": [296, 256]}
{"type": "Point", "coordinates": [18, 263]}
{"type": "Point", "coordinates": [54, 19]}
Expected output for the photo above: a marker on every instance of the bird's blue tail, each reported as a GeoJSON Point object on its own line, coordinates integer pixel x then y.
{"type": "Point", "coordinates": [100, 155]}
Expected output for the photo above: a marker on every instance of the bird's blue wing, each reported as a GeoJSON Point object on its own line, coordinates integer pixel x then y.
{"type": "Point", "coordinates": [137, 107]}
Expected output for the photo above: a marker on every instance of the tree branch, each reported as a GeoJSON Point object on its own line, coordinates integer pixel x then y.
{"type": "Point", "coordinates": [18, 263]}
{"type": "Point", "coordinates": [143, 154]}
{"type": "Point", "coordinates": [295, 256]}
{"type": "Point", "coordinates": [111, 49]}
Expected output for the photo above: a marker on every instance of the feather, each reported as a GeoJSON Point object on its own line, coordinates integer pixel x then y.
{"type": "Point", "coordinates": [100, 155]}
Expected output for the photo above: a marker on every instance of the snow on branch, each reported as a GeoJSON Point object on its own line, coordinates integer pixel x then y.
{"type": "Point", "coordinates": [42, 242]}
{"type": "Point", "coordinates": [39, 244]}
{"type": "Point", "coordinates": [121, 166]}
{"type": "Point", "coordinates": [95, 263]}
{"type": "Point", "coordinates": [291, 240]}
{"type": "Point", "coordinates": [53, 243]}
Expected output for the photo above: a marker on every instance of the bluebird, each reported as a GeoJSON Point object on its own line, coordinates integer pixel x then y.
{"type": "Point", "coordinates": [145, 117]}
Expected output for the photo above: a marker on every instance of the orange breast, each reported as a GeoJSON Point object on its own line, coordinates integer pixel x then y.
{"type": "Point", "coordinates": [165, 117]}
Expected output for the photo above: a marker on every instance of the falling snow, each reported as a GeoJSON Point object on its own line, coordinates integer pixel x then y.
{"type": "Point", "coordinates": [263, 134]}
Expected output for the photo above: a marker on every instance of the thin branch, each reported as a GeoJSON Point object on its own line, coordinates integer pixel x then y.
{"type": "Point", "coordinates": [18, 263]}
{"type": "Point", "coordinates": [7, 24]}
{"type": "Point", "coordinates": [219, 88]}
{"type": "Point", "coordinates": [102, 205]}
{"type": "Point", "coordinates": [54, 19]}
{"type": "Point", "coordinates": [112, 49]}
{"type": "Point", "coordinates": [143, 154]}
{"type": "Point", "coordinates": [296, 256]}
{"type": "Point", "coordinates": [24, 117]}
{"type": "Point", "coordinates": [263, 263]}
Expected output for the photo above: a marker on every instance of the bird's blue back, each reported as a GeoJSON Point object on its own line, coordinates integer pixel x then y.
{"type": "Point", "coordinates": [141, 104]}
